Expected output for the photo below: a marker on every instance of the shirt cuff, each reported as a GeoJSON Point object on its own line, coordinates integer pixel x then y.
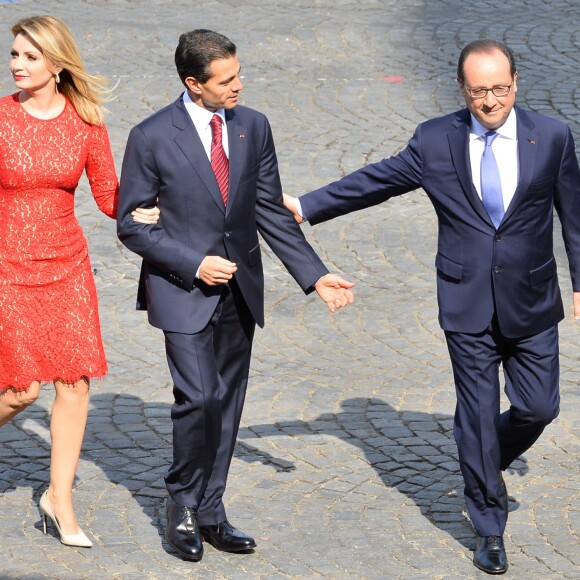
{"type": "Point", "coordinates": [299, 210]}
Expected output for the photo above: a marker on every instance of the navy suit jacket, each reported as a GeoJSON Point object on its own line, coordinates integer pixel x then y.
{"type": "Point", "coordinates": [480, 270]}
{"type": "Point", "coordinates": [165, 165]}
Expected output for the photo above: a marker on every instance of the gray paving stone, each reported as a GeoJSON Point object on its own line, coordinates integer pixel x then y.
{"type": "Point", "coordinates": [346, 465]}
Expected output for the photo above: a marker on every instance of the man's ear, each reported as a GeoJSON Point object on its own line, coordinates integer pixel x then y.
{"type": "Point", "coordinates": [193, 85]}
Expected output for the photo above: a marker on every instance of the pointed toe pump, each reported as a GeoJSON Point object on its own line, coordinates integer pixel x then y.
{"type": "Point", "coordinates": [79, 540]}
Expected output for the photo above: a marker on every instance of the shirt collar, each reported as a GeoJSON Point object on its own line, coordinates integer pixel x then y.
{"type": "Point", "coordinates": [200, 116]}
{"type": "Point", "coordinates": [507, 130]}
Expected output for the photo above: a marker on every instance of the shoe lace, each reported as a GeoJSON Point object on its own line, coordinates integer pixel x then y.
{"type": "Point", "coordinates": [188, 519]}
{"type": "Point", "coordinates": [494, 542]}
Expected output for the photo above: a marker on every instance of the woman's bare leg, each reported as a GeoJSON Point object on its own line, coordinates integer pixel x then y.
{"type": "Point", "coordinates": [67, 429]}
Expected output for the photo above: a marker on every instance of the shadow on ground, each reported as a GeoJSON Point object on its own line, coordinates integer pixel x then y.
{"type": "Point", "coordinates": [411, 451]}
{"type": "Point", "coordinates": [130, 441]}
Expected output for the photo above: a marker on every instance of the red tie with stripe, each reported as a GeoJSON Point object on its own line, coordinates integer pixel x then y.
{"type": "Point", "coordinates": [219, 161]}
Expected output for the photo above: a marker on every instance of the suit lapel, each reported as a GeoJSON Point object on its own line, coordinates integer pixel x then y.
{"type": "Point", "coordinates": [190, 144]}
{"type": "Point", "coordinates": [459, 146]}
{"type": "Point", "coordinates": [237, 145]}
{"type": "Point", "coordinates": [528, 141]}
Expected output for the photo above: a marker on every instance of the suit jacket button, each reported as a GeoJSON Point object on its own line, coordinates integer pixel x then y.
{"type": "Point", "coordinates": [226, 234]}
{"type": "Point", "coordinates": [498, 269]}
{"type": "Point", "coordinates": [497, 239]}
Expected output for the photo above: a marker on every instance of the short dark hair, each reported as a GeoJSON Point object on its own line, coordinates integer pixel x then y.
{"type": "Point", "coordinates": [485, 46]}
{"type": "Point", "coordinates": [197, 50]}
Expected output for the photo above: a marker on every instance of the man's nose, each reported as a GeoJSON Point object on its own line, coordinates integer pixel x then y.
{"type": "Point", "coordinates": [238, 85]}
{"type": "Point", "coordinates": [490, 99]}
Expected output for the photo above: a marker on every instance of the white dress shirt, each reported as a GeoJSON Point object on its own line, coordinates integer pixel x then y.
{"type": "Point", "coordinates": [201, 118]}
{"type": "Point", "coordinates": [505, 151]}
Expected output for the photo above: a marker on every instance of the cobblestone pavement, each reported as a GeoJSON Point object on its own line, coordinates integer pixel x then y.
{"type": "Point", "coordinates": [346, 465]}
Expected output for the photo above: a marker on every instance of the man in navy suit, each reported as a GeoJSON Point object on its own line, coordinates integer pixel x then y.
{"type": "Point", "coordinates": [211, 168]}
{"type": "Point", "coordinates": [494, 173]}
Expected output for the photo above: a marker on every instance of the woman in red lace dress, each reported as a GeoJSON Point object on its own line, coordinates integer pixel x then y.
{"type": "Point", "coordinates": [51, 131]}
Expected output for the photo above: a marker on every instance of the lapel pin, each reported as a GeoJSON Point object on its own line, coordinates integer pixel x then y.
{"type": "Point", "coordinates": [532, 141]}
{"type": "Point", "coordinates": [242, 136]}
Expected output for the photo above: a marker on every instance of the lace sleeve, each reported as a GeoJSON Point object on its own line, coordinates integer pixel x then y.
{"type": "Point", "coordinates": [101, 172]}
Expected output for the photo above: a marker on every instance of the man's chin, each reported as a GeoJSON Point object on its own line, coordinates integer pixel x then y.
{"type": "Point", "coordinates": [492, 122]}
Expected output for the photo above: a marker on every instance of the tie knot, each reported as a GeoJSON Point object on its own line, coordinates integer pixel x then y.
{"type": "Point", "coordinates": [489, 137]}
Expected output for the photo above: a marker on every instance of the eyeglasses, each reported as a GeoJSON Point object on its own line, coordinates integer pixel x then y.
{"type": "Point", "coordinates": [501, 91]}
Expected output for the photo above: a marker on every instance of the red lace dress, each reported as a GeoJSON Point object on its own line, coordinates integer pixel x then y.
{"type": "Point", "coordinates": [49, 320]}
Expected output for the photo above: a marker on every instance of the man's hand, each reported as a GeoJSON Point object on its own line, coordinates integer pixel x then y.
{"type": "Point", "coordinates": [214, 270]}
{"type": "Point", "coordinates": [577, 305]}
{"type": "Point", "coordinates": [146, 215]}
{"type": "Point", "coordinates": [290, 203]}
{"type": "Point", "coordinates": [335, 291]}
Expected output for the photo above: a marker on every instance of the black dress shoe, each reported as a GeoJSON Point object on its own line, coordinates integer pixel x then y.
{"type": "Point", "coordinates": [182, 531]}
{"type": "Point", "coordinates": [226, 538]}
{"type": "Point", "coordinates": [490, 555]}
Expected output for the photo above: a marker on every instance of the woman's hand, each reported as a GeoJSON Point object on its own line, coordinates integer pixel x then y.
{"type": "Point", "coordinates": [146, 215]}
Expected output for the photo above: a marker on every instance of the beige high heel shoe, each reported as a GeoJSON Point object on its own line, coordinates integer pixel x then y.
{"type": "Point", "coordinates": [80, 540]}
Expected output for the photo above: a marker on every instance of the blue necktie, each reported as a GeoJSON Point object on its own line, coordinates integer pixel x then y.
{"type": "Point", "coordinates": [491, 194]}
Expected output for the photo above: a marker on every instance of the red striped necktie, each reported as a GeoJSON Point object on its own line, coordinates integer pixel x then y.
{"type": "Point", "coordinates": [219, 161]}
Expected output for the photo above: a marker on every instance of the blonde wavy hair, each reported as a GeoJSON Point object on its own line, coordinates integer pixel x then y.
{"type": "Point", "coordinates": [55, 41]}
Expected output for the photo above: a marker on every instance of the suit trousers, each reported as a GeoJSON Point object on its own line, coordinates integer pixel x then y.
{"type": "Point", "coordinates": [489, 440]}
{"type": "Point", "coordinates": [210, 375]}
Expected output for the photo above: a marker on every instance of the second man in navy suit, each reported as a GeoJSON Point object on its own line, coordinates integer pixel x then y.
{"type": "Point", "coordinates": [211, 168]}
{"type": "Point", "coordinates": [494, 173]}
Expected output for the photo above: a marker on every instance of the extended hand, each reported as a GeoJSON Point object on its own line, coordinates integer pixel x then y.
{"type": "Point", "coordinates": [146, 215]}
{"type": "Point", "coordinates": [214, 270]}
{"type": "Point", "coordinates": [335, 291]}
{"type": "Point", "coordinates": [577, 305]}
{"type": "Point", "coordinates": [290, 203]}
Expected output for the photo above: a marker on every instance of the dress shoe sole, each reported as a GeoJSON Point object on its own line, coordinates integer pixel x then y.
{"type": "Point", "coordinates": [242, 549]}
{"type": "Point", "coordinates": [488, 571]}
{"type": "Point", "coordinates": [184, 555]}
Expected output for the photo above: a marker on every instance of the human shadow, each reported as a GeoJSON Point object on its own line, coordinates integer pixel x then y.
{"type": "Point", "coordinates": [411, 451]}
{"type": "Point", "coordinates": [128, 439]}
{"type": "Point", "coordinates": [131, 441]}
{"type": "Point", "coordinates": [25, 456]}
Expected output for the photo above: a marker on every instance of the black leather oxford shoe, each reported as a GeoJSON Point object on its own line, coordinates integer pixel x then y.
{"type": "Point", "coordinates": [226, 538]}
{"type": "Point", "coordinates": [182, 531]}
{"type": "Point", "coordinates": [490, 555]}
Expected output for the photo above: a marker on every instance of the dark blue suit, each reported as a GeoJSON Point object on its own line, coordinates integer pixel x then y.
{"type": "Point", "coordinates": [208, 329]}
{"type": "Point", "coordinates": [497, 289]}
